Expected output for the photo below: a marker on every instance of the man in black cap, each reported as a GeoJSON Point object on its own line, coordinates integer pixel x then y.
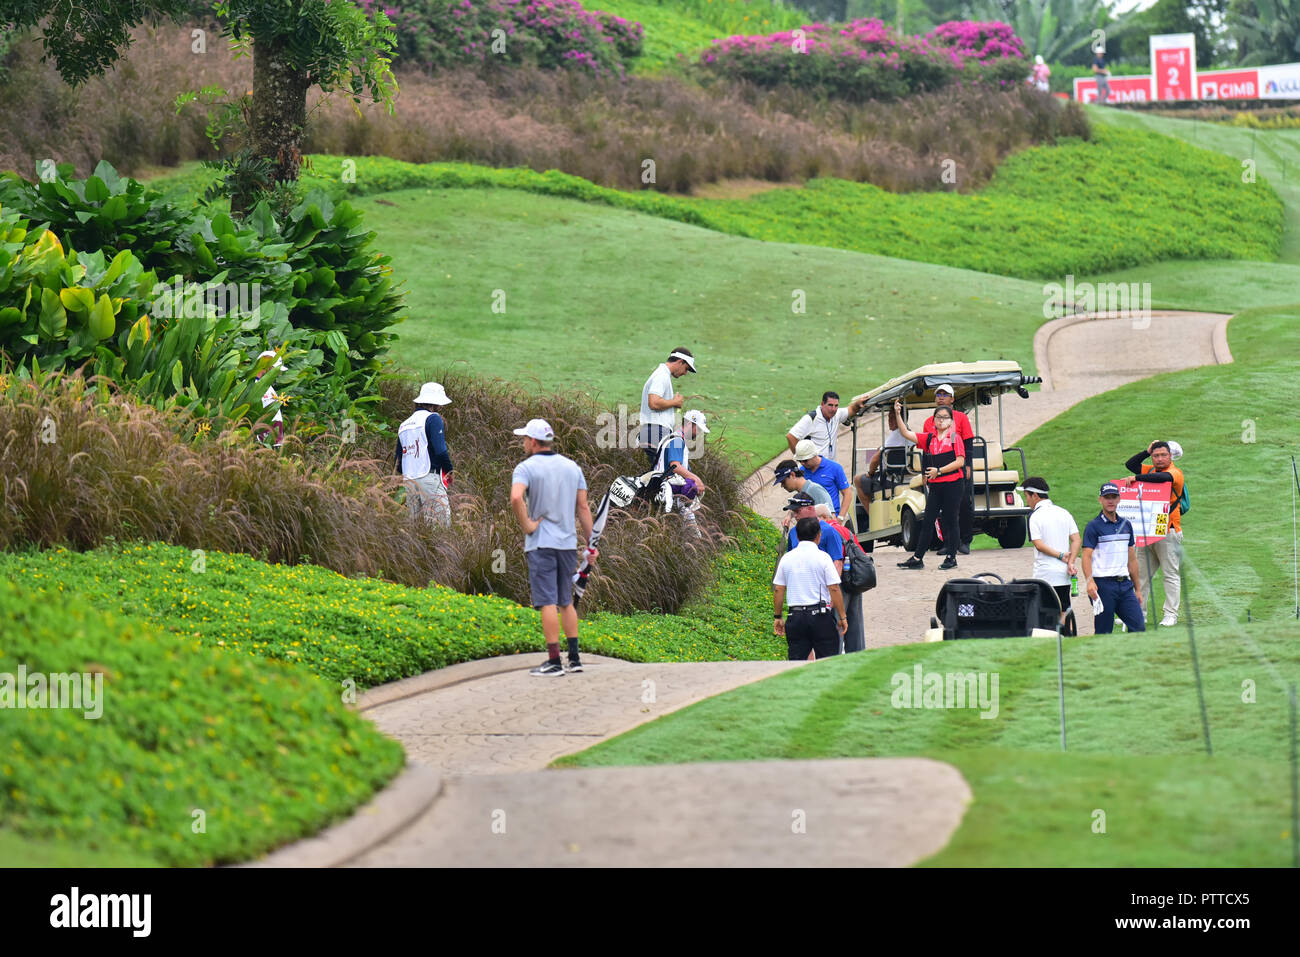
{"type": "Point", "coordinates": [789, 475]}
{"type": "Point", "coordinates": [1110, 566]}
{"type": "Point", "coordinates": [801, 505]}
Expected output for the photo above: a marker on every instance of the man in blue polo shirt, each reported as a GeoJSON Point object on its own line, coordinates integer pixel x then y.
{"type": "Point", "coordinates": [827, 473]}
{"type": "Point", "coordinates": [1110, 566]}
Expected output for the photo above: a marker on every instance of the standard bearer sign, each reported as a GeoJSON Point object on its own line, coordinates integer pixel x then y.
{"type": "Point", "coordinates": [1173, 66]}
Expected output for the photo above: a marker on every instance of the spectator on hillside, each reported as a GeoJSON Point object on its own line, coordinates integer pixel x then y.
{"type": "Point", "coordinates": [812, 582]}
{"type": "Point", "coordinates": [422, 457]}
{"type": "Point", "coordinates": [1102, 75]}
{"type": "Point", "coordinates": [827, 473]}
{"type": "Point", "coordinates": [1040, 74]}
{"type": "Point", "coordinates": [821, 425]}
{"type": "Point", "coordinates": [658, 401]}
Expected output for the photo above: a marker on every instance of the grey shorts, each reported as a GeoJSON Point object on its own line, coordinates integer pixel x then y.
{"type": "Point", "coordinates": [550, 575]}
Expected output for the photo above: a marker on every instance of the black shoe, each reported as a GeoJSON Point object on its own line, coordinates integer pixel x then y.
{"type": "Point", "coordinates": [948, 563]}
{"type": "Point", "coordinates": [549, 669]}
{"type": "Point", "coordinates": [912, 562]}
{"type": "Point", "coordinates": [963, 548]}
{"type": "Point", "coordinates": [573, 665]}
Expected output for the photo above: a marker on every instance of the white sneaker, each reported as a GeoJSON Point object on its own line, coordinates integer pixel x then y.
{"type": "Point", "coordinates": [1168, 621]}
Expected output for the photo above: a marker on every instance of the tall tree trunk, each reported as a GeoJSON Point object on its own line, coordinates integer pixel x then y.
{"type": "Point", "coordinates": [279, 108]}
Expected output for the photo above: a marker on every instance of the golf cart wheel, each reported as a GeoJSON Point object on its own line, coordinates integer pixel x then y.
{"type": "Point", "coordinates": [868, 546]}
{"type": "Point", "coordinates": [1012, 534]}
{"type": "Point", "coordinates": [908, 521]}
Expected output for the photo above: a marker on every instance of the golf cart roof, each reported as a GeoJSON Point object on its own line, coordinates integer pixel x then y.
{"type": "Point", "coordinates": [916, 388]}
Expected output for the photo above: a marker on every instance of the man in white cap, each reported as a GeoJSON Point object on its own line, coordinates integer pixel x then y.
{"type": "Point", "coordinates": [1166, 553]}
{"type": "Point", "coordinates": [827, 473]}
{"type": "Point", "coordinates": [547, 492]}
{"type": "Point", "coordinates": [671, 458]}
{"type": "Point", "coordinates": [658, 400]}
{"type": "Point", "coordinates": [423, 459]}
{"type": "Point", "coordinates": [271, 396]}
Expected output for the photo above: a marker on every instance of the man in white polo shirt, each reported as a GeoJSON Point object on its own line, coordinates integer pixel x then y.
{"type": "Point", "coordinates": [1056, 540]}
{"type": "Point", "coordinates": [822, 424]}
{"type": "Point", "coordinates": [658, 399]}
{"type": "Point", "coordinates": [1110, 565]}
{"type": "Point", "coordinates": [808, 576]}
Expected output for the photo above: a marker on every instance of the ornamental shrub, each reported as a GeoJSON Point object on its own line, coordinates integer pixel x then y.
{"type": "Point", "coordinates": [867, 60]}
{"type": "Point", "coordinates": [135, 265]}
{"type": "Point", "coordinates": [436, 34]}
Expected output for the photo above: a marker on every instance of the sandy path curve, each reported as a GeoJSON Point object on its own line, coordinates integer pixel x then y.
{"type": "Point", "coordinates": [1078, 357]}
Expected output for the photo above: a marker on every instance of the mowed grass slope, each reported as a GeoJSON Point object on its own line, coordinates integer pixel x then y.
{"type": "Point", "coordinates": [1238, 436]}
{"type": "Point", "coordinates": [594, 298]}
{"type": "Point", "coordinates": [1135, 745]}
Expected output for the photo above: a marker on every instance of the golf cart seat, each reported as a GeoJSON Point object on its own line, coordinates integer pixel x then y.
{"type": "Point", "coordinates": [987, 466]}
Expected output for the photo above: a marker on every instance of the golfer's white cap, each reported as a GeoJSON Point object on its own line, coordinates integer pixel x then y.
{"type": "Point", "coordinates": [696, 418]}
{"type": "Point", "coordinates": [431, 393]}
{"type": "Point", "coordinates": [944, 388]}
{"type": "Point", "coordinates": [1175, 450]}
{"type": "Point", "coordinates": [269, 352]}
{"type": "Point", "coordinates": [689, 360]}
{"type": "Point", "coordinates": [537, 429]}
{"type": "Point", "coordinates": [1038, 58]}
{"type": "Point", "coordinates": [804, 450]}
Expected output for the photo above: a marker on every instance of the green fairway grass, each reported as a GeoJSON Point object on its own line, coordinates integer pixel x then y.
{"type": "Point", "coordinates": [1135, 744]}
{"type": "Point", "coordinates": [1238, 533]}
{"type": "Point", "coordinates": [596, 297]}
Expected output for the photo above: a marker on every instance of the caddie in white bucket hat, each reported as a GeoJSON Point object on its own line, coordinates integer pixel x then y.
{"type": "Point", "coordinates": [423, 459]}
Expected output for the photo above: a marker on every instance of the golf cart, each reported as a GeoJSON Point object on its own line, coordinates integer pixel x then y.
{"type": "Point", "coordinates": [898, 491]}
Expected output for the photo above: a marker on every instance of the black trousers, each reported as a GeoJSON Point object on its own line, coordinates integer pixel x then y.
{"type": "Point", "coordinates": [968, 511]}
{"type": "Point", "coordinates": [805, 632]}
{"type": "Point", "coordinates": [942, 502]}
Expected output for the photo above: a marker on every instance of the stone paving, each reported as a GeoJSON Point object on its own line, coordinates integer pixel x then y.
{"type": "Point", "coordinates": [513, 721]}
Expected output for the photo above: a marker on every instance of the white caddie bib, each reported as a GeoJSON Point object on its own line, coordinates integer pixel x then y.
{"type": "Point", "coordinates": [415, 445]}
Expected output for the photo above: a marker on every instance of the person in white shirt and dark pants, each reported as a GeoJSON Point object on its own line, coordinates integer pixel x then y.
{"type": "Point", "coordinates": [808, 577]}
{"type": "Point", "coordinates": [1056, 540]}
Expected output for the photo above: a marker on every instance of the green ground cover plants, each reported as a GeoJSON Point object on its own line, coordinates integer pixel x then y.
{"type": "Point", "coordinates": [268, 753]}
{"type": "Point", "coordinates": [372, 631]}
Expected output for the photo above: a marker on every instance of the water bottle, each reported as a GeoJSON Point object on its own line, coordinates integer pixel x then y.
{"type": "Point", "coordinates": [1074, 585]}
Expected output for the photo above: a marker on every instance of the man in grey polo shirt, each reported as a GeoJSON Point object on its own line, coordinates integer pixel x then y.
{"type": "Point", "coordinates": [547, 490]}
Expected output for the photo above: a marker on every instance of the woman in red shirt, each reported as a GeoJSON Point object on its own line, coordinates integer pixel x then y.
{"type": "Point", "coordinates": [944, 458]}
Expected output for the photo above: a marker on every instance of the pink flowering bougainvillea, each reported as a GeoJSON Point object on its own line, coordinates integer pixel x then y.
{"type": "Point", "coordinates": [868, 60]}
{"type": "Point", "coordinates": [433, 34]}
